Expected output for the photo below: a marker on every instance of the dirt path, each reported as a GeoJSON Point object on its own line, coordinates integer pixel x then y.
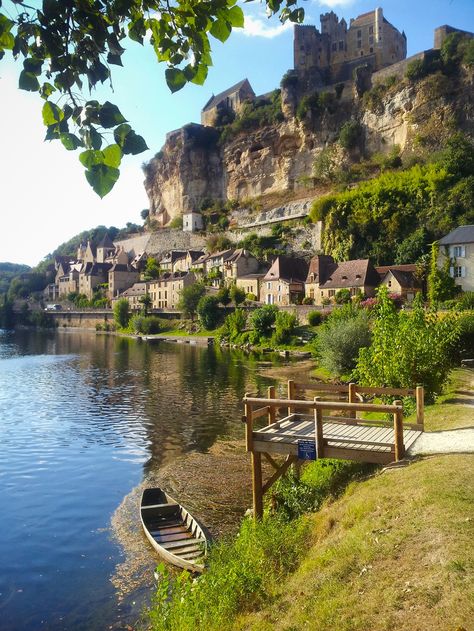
{"type": "Point", "coordinates": [455, 441]}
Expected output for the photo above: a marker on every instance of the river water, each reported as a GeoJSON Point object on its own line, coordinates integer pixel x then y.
{"type": "Point", "coordinates": [83, 419]}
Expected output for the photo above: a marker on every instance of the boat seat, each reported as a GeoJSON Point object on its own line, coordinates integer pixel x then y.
{"type": "Point", "coordinates": [160, 506]}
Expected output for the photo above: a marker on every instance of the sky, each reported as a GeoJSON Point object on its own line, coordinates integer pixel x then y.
{"type": "Point", "coordinates": [45, 198]}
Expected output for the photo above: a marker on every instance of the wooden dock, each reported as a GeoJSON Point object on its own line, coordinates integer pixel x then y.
{"type": "Point", "coordinates": [317, 428]}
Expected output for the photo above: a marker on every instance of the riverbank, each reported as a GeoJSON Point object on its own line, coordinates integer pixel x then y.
{"type": "Point", "coordinates": [392, 552]}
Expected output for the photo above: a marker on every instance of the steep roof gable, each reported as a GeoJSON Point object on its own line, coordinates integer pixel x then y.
{"type": "Point", "coordinates": [461, 234]}
{"type": "Point", "coordinates": [215, 100]}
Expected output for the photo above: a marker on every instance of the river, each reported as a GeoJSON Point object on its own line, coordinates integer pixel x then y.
{"type": "Point", "coordinates": [84, 419]}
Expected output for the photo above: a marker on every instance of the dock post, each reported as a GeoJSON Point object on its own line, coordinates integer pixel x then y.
{"type": "Point", "coordinates": [257, 491]}
{"type": "Point", "coordinates": [352, 399]}
{"type": "Point", "coordinates": [420, 407]}
{"type": "Point", "coordinates": [291, 394]}
{"type": "Point", "coordinates": [318, 430]}
{"type": "Point", "coordinates": [271, 409]}
{"type": "Point", "coordinates": [398, 433]}
{"type": "Point", "coordinates": [248, 425]}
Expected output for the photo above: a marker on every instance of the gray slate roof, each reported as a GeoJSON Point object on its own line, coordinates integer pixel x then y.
{"type": "Point", "coordinates": [462, 234]}
{"type": "Point", "coordinates": [214, 100]}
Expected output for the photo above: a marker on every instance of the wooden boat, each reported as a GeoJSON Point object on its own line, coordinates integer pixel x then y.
{"type": "Point", "coordinates": [175, 534]}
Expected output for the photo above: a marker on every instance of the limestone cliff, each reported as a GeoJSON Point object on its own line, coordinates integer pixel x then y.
{"type": "Point", "coordinates": [196, 164]}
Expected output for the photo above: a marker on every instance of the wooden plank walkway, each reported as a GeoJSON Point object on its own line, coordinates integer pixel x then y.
{"type": "Point", "coordinates": [367, 443]}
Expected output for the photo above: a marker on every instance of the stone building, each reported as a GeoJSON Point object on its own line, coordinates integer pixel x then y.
{"type": "Point", "coordinates": [230, 100]}
{"type": "Point", "coordinates": [283, 284]}
{"type": "Point", "coordinates": [165, 291]}
{"type": "Point", "coordinates": [401, 279]}
{"type": "Point", "coordinates": [458, 245]}
{"type": "Point", "coordinates": [326, 277]}
{"type": "Point", "coordinates": [331, 55]}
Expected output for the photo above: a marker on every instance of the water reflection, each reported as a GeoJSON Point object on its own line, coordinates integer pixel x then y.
{"type": "Point", "coordinates": [83, 417]}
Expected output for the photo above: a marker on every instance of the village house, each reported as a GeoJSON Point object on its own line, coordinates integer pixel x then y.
{"type": "Point", "coordinates": [240, 263]}
{"type": "Point", "coordinates": [170, 259]}
{"type": "Point", "coordinates": [166, 290]}
{"type": "Point", "coordinates": [283, 284]}
{"type": "Point", "coordinates": [458, 245]}
{"type": "Point", "coordinates": [192, 222]}
{"type": "Point", "coordinates": [326, 277]}
{"type": "Point", "coordinates": [120, 277]}
{"type": "Point", "coordinates": [251, 284]}
{"type": "Point", "coordinates": [215, 266]}
{"type": "Point", "coordinates": [401, 280]}
{"type": "Point", "coordinates": [133, 295]}
{"type": "Point", "coordinates": [91, 276]}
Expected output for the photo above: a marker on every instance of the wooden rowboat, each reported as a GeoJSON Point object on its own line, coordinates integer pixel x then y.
{"type": "Point", "coordinates": [175, 534]}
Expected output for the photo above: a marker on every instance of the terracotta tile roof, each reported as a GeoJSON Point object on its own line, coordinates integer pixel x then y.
{"type": "Point", "coordinates": [383, 269]}
{"type": "Point", "coordinates": [320, 267]}
{"type": "Point", "coordinates": [406, 279]}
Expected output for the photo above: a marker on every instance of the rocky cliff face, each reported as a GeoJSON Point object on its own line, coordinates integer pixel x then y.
{"type": "Point", "coordinates": [194, 165]}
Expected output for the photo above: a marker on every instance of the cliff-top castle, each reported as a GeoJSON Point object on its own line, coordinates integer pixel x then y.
{"type": "Point", "coordinates": [331, 54]}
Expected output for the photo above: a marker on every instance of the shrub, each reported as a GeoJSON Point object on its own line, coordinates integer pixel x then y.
{"type": "Point", "coordinates": [233, 327]}
{"type": "Point", "coordinates": [466, 301]}
{"type": "Point", "coordinates": [208, 311]}
{"type": "Point", "coordinates": [343, 296]}
{"type": "Point", "coordinates": [151, 324]}
{"type": "Point", "coordinates": [122, 313]}
{"type": "Point", "coordinates": [416, 70]}
{"type": "Point", "coordinates": [251, 297]}
{"type": "Point", "coordinates": [223, 296]}
{"type": "Point", "coordinates": [350, 135]}
{"type": "Point", "coordinates": [315, 318]}
{"type": "Point", "coordinates": [408, 348]}
{"type": "Point", "coordinates": [465, 344]}
{"type": "Point", "coordinates": [263, 319]}
{"type": "Point", "coordinates": [285, 324]}
{"type": "Point", "coordinates": [308, 301]}
{"type": "Point", "coordinates": [309, 103]}
{"type": "Point", "coordinates": [237, 295]}
{"type": "Point", "coordinates": [136, 323]}
{"type": "Point", "coordinates": [339, 341]}
{"type": "Point", "coordinates": [189, 298]}
{"type": "Point", "coordinates": [176, 223]}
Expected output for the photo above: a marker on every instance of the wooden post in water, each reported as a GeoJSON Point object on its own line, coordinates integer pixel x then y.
{"type": "Point", "coordinates": [291, 394]}
{"type": "Point", "coordinates": [271, 409]}
{"type": "Point", "coordinates": [420, 407]}
{"type": "Point", "coordinates": [352, 399]}
{"type": "Point", "coordinates": [318, 430]}
{"type": "Point", "coordinates": [257, 492]}
{"type": "Point", "coordinates": [398, 432]}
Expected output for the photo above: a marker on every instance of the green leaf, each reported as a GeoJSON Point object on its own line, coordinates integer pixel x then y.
{"type": "Point", "coordinates": [47, 89]}
{"type": "Point", "coordinates": [90, 157]}
{"type": "Point", "coordinates": [7, 41]}
{"type": "Point", "coordinates": [102, 178]}
{"type": "Point", "coordinates": [52, 113]}
{"type": "Point", "coordinates": [116, 60]}
{"type": "Point", "coordinates": [134, 144]}
{"type": "Point", "coordinates": [70, 141]}
{"type": "Point", "coordinates": [201, 75]}
{"type": "Point", "coordinates": [235, 16]}
{"type": "Point", "coordinates": [221, 30]}
{"type": "Point", "coordinates": [175, 78]}
{"type": "Point", "coordinates": [28, 81]}
{"type": "Point", "coordinates": [95, 138]}
{"type": "Point", "coordinates": [112, 155]}
{"type": "Point", "coordinates": [109, 115]}
{"type": "Point", "coordinates": [32, 64]}
{"type": "Point", "coordinates": [121, 133]}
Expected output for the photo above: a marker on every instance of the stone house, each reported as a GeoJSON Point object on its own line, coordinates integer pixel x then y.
{"type": "Point", "coordinates": [120, 277]}
{"type": "Point", "coordinates": [165, 291]}
{"type": "Point", "coordinates": [192, 222]}
{"type": "Point", "coordinates": [230, 100]}
{"type": "Point", "coordinates": [92, 275]}
{"type": "Point", "coordinates": [105, 249]}
{"type": "Point", "coordinates": [401, 280]}
{"type": "Point", "coordinates": [458, 245]}
{"type": "Point", "coordinates": [169, 260]}
{"type": "Point", "coordinates": [215, 266]}
{"type": "Point", "coordinates": [326, 277]}
{"type": "Point", "coordinates": [240, 263]}
{"type": "Point", "coordinates": [283, 284]}
{"type": "Point", "coordinates": [251, 283]}
{"type": "Point", "coordinates": [133, 295]}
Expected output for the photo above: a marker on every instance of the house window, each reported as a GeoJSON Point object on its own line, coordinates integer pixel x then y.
{"type": "Point", "coordinates": [269, 285]}
{"type": "Point", "coordinates": [389, 283]}
{"type": "Point", "coordinates": [279, 287]}
{"type": "Point", "coordinates": [459, 251]}
{"type": "Point", "coordinates": [331, 293]}
{"type": "Point", "coordinates": [458, 271]}
{"type": "Point", "coordinates": [371, 40]}
{"type": "Point", "coordinates": [279, 298]}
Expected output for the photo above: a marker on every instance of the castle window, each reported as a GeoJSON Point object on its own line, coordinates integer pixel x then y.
{"type": "Point", "coordinates": [359, 33]}
{"type": "Point", "coordinates": [371, 49]}
{"type": "Point", "coordinates": [361, 53]}
{"type": "Point", "coordinates": [334, 47]}
{"type": "Point", "coordinates": [371, 30]}
{"type": "Point", "coordinates": [359, 43]}
{"type": "Point", "coordinates": [371, 39]}
{"type": "Point", "coordinates": [341, 45]}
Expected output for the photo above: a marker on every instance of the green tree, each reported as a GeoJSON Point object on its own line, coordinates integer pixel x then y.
{"type": "Point", "coordinates": [152, 269]}
{"type": "Point", "coordinates": [343, 296]}
{"type": "Point", "coordinates": [121, 313]}
{"type": "Point", "coordinates": [208, 311]}
{"type": "Point", "coordinates": [70, 47]}
{"type": "Point", "coordinates": [189, 298]}
{"type": "Point", "coordinates": [263, 319]}
{"type": "Point", "coordinates": [408, 348]}
{"type": "Point", "coordinates": [237, 295]}
{"type": "Point", "coordinates": [440, 284]}
{"type": "Point", "coordinates": [223, 296]}
{"type": "Point", "coordinates": [146, 302]}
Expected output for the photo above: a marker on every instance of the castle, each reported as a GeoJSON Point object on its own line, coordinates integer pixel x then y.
{"type": "Point", "coordinates": [331, 55]}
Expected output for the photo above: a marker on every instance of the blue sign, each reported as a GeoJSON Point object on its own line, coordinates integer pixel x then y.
{"type": "Point", "coordinates": [307, 450]}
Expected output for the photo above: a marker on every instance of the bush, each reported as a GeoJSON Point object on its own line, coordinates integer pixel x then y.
{"type": "Point", "coordinates": [285, 324]}
{"type": "Point", "coordinates": [339, 341]}
{"type": "Point", "coordinates": [263, 319]}
{"type": "Point", "coordinates": [223, 296]}
{"type": "Point", "coordinates": [308, 301]}
{"type": "Point", "coordinates": [315, 318]}
{"type": "Point", "coordinates": [251, 297]}
{"type": "Point", "coordinates": [233, 327]}
{"type": "Point", "coordinates": [408, 348]}
{"type": "Point", "coordinates": [122, 313]}
{"type": "Point", "coordinates": [151, 324]}
{"type": "Point", "coordinates": [465, 344]}
{"type": "Point", "coordinates": [136, 322]}
{"type": "Point", "coordinates": [350, 135]}
{"type": "Point", "coordinates": [416, 70]}
{"type": "Point", "coordinates": [237, 295]}
{"type": "Point", "coordinates": [189, 299]}
{"type": "Point", "coordinates": [466, 301]}
{"type": "Point", "coordinates": [208, 312]}
{"type": "Point", "coordinates": [342, 297]}
{"type": "Point", "coordinates": [176, 223]}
